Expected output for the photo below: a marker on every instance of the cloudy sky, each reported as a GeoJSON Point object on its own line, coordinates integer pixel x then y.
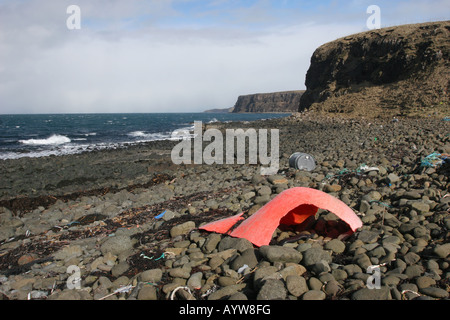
{"type": "Point", "coordinates": [171, 55]}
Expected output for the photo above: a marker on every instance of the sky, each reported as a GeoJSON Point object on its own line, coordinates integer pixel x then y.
{"type": "Point", "coordinates": [121, 56]}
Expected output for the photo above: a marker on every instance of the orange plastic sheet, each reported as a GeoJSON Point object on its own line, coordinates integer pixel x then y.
{"type": "Point", "coordinates": [291, 207]}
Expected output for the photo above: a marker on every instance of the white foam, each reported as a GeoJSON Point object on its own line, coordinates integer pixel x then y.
{"type": "Point", "coordinates": [55, 139]}
{"type": "Point", "coordinates": [185, 133]}
{"type": "Point", "coordinates": [137, 134]}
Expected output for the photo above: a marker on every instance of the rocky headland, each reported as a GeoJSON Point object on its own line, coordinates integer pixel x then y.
{"type": "Point", "coordinates": [286, 101]}
{"type": "Point", "coordinates": [396, 71]}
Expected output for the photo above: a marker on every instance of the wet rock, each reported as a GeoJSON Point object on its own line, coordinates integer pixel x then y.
{"type": "Point", "coordinates": [314, 295]}
{"type": "Point", "coordinates": [296, 285]}
{"type": "Point", "coordinates": [372, 294]}
{"type": "Point", "coordinates": [335, 245]}
{"type": "Point", "coordinates": [442, 251]}
{"type": "Point", "coordinates": [117, 244]}
{"type": "Point", "coordinates": [181, 229]}
{"type": "Point", "coordinates": [315, 255]}
{"type": "Point", "coordinates": [272, 289]}
{"type": "Point", "coordinates": [280, 254]}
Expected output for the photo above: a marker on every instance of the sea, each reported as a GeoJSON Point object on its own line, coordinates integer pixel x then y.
{"type": "Point", "coordinates": [41, 135]}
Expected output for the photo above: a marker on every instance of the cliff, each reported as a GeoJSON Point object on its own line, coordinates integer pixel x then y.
{"type": "Point", "coordinates": [402, 71]}
{"type": "Point", "coordinates": [286, 101]}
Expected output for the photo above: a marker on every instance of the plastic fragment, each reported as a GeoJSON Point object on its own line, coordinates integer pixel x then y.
{"type": "Point", "coordinates": [159, 216]}
{"type": "Point", "coordinates": [291, 207]}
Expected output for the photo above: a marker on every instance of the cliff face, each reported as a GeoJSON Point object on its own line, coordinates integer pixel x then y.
{"type": "Point", "coordinates": [286, 101]}
{"type": "Point", "coordinates": [402, 70]}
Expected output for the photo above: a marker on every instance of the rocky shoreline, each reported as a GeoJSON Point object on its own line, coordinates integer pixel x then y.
{"type": "Point", "coordinates": [126, 221]}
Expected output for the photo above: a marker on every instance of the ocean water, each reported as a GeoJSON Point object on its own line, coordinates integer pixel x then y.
{"type": "Point", "coordinates": [41, 135]}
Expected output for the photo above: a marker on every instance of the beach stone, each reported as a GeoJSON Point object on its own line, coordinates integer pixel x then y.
{"type": "Point", "coordinates": [392, 178]}
{"type": "Point", "coordinates": [240, 244]}
{"type": "Point", "coordinates": [262, 273]}
{"type": "Point", "coordinates": [413, 271]}
{"type": "Point", "coordinates": [332, 188]}
{"type": "Point", "coordinates": [264, 191]}
{"type": "Point", "coordinates": [238, 296]}
{"type": "Point", "coordinates": [296, 285]}
{"type": "Point", "coordinates": [117, 244]}
{"type": "Point", "coordinates": [411, 258]}
{"type": "Point", "coordinates": [180, 272]}
{"type": "Point", "coordinates": [248, 257]}
{"type": "Point", "coordinates": [212, 204]}
{"type": "Point", "coordinates": [364, 206]}
{"type": "Point", "coordinates": [425, 282]}
{"type": "Point", "coordinates": [335, 245]}
{"type": "Point", "coordinates": [362, 260]}
{"type": "Point", "coordinates": [68, 252]}
{"type": "Point", "coordinates": [292, 269]}
{"type": "Point", "coordinates": [226, 291]}
{"type": "Point", "coordinates": [332, 288]}
{"type": "Point", "coordinates": [390, 280]}
{"type": "Point", "coordinates": [26, 258]}
{"type": "Point", "coordinates": [314, 283]}
{"type": "Point", "coordinates": [226, 281]}
{"type": "Point", "coordinates": [391, 240]}
{"type": "Point", "coordinates": [320, 267]}
{"type": "Point", "coordinates": [368, 236]}
{"type": "Point", "coordinates": [420, 207]}
{"type": "Point", "coordinates": [277, 179]}
{"type": "Point", "coordinates": [314, 295]}
{"type": "Point", "coordinates": [152, 275]}
{"type": "Point", "coordinates": [211, 242]}
{"type": "Point", "coordinates": [181, 229]}
{"type": "Point", "coordinates": [262, 199]}
{"type": "Point", "coordinates": [147, 292]}
{"type": "Point", "coordinates": [70, 295]}
{"type": "Point", "coordinates": [272, 289]}
{"type": "Point", "coordinates": [120, 269]}
{"type": "Point", "coordinates": [315, 255]}
{"type": "Point", "coordinates": [248, 195]}
{"type": "Point", "coordinates": [442, 251]}
{"type": "Point", "coordinates": [434, 292]}
{"type": "Point", "coordinates": [339, 274]}
{"type": "Point", "coordinates": [378, 252]}
{"type": "Point", "coordinates": [383, 293]}
{"type": "Point", "coordinates": [280, 254]}
{"type": "Point", "coordinates": [6, 233]}
{"type": "Point", "coordinates": [169, 215]}
{"type": "Point", "coordinates": [195, 280]}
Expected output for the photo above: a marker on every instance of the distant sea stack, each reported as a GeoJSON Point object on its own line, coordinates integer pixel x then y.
{"type": "Point", "coordinates": [286, 101]}
{"type": "Point", "coordinates": [396, 71]}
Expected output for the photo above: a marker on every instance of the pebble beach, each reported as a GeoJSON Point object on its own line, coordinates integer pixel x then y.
{"type": "Point", "coordinates": [124, 224]}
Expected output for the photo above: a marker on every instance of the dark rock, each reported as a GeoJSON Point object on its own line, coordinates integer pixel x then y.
{"type": "Point", "coordinates": [272, 289]}
{"type": "Point", "coordinates": [315, 255]}
{"type": "Point", "coordinates": [280, 254]}
{"type": "Point", "coordinates": [372, 294]}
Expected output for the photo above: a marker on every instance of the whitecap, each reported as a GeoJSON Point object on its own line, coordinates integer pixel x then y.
{"type": "Point", "coordinates": [52, 140]}
{"type": "Point", "coordinates": [137, 134]}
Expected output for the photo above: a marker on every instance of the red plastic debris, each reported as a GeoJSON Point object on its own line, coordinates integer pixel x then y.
{"type": "Point", "coordinates": [291, 207]}
{"type": "Point", "coordinates": [223, 225]}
